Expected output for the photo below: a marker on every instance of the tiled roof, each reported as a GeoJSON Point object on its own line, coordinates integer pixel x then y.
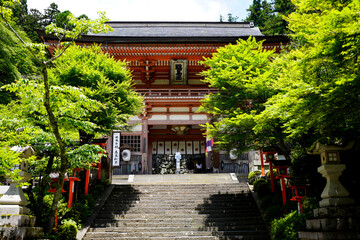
{"type": "Point", "coordinates": [181, 29]}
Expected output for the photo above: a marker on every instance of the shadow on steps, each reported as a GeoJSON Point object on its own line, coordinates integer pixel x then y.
{"type": "Point", "coordinates": [233, 216]}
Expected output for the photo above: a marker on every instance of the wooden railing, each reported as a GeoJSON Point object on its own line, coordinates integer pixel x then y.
{"type": "Point", "coordinates": [175, 92]}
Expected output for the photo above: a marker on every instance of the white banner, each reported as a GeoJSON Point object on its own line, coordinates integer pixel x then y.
{"type": "Point", "coordinates": [116, 149]}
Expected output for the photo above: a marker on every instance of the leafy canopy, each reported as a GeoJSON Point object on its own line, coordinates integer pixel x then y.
{"type": "Point", "coordinates": [242, 74]}
{"type": "Point", "coordinates": [101, 78]}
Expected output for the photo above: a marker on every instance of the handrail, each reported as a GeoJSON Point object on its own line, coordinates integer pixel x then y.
{"type": "Point", "coordinates": [175, 92]}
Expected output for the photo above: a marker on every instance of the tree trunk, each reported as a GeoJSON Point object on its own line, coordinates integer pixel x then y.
{"type": "Point", "coordinates": [54, 126]}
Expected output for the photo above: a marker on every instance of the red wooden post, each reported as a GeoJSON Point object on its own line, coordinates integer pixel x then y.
{"type": "Point", "coordinates": [282, 169]}
{"type": "Point", "coordinates": [71, 189]}
{"type": "Point", "coordinates": [272, 177]}
{"type": "Point", "coordinates": [283, 188]}
{"type": "Point", "coordinates": [56, 220]}
{"type": "Point", "coordinates": [262, 163]}
{"type": "Point", "coordinates": [87, 181]}
{"type": "Point", "coordinates": [99, 170]}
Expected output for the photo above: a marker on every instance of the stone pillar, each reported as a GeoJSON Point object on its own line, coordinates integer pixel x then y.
{"type": "Point", "coordinates": [334, 193]}
{"type": "Point", "coordinates": [336, 218]}
{"type": "Point", "coordinates": [15, 222]}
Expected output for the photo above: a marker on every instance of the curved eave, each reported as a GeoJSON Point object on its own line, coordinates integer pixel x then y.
{"type": "Point", "coordinates": [117, 40]}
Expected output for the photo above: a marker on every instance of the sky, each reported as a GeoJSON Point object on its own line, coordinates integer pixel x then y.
{"type": "Point", "coordinates": [151, 10]}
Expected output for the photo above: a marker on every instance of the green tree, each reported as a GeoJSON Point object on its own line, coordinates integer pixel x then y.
{"type": "Point", "coordinates": [103, 79]}
{"type": "Point", "coordinates": [269, 16]}
{"type": "Point", "coordinates": [53, 105]}
{"type": "Point", "coordinates": [50, 14]}
{"type": "Point", "coordinates": [230, 18]}
{"type": "Point", "coordinates": [319, 81]}
{"type": "Point", "coordinates": [14, 60]}
{"type": "Point", "coordinates": [243, 76]}
{"type": "Point", "coordinates": [313, 94]}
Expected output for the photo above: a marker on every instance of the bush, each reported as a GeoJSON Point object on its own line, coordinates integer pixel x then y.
{"type": "Point", "coordinates": [267, 175]}
{"type": "Point", "coordinates": [287, 228]}
{"type": "Point", "coordinates": [274, 211]}
{"type": "Point", "coordinates": [253, 176]}
{"type": "Point", "coordinates": [262, 188]}
{"type": "Point", "coordinates": [68, 230]}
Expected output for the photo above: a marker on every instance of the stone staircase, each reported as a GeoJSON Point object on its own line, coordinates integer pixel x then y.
{"type": "Point", "coordinates": [179, 211]}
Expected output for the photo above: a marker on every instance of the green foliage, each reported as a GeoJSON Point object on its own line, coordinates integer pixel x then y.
{"type": "Point", "coordinates": [257, 184]}
{"type": "Point", "coordinates": [230, 18]}
{"type": "Point", "coordinates": [268, 16]}
{"type": "Point", "coordinates": [67, 230]}
{"type": "Point", "coordinates": [274, 211]}
{"type": "Point", "coordinates": [14, 61]}
{"type": "Point", "coordinates": [296, 100]}
{"type": "Point", "coordinates": [287, 228]}
{"type": "Point", "coordinates": [52, 109]}
{"type": "Point", "coordinates": [267, 175]}
{"type": "Point", "coordinates": [320, 78]}
{"type": "Point", "coordinates": [262, 187]}
{"type": "Point", "coordinates": [102, 79]}
{"type": "Point", "coordinates": [253, 176]}
{"type": "Point", "coordinates": [243, 76]}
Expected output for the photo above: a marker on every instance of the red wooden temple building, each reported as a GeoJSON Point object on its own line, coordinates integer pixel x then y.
{"type": "Point", "coordinates": [165, 59]}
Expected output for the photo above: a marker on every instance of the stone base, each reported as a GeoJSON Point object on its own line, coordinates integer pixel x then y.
{"type": "Point", "coordinates": [20, 233]}
{"type": "Point", "coordinates": [333, 223]}
{"type": "Point", "coordinates": [334, 202]}
{"type": "Point", "coordinates": [329, 235]}
{"type": "Point", "coordinates": [17, 221]}
{"type": "Point", "coordinates": [13, 210]}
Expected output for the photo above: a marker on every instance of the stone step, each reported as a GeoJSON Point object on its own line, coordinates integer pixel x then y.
{"type": "Point", "coordinates": [171, 188]}
{"type": "Point", "coordinates": [183, 238]}
{"type": "Point", "coordinates": [196, 198]}
{"type": "Point", "coordinates": [172, 206]}
{"type": "Point", "coordinates": [197, 211]}
{"type": "Point", "coordinates": [182, 212]}
{"type": "Point", "coordinates": [174, 227]}
{"type": "Point", "coordinates": [179, 219]}
{"type": "Point", "coordinates": [154, 238]}
{"type": "Point", "coordinates": [102, 223]}
{"type": "Point", "coordinates": [177, 233]}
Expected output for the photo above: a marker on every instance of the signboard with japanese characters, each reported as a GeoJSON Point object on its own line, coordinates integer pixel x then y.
{"type": "Point", "coordinates": [116, 149]}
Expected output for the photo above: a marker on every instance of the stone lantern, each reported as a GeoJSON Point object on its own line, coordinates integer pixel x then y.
{"type": "Point", "coordinates": [337, 217]}
{"type": "Point", "coordinates": [14, 215]}
{"type": "Point", "coordinates": [334, 194]}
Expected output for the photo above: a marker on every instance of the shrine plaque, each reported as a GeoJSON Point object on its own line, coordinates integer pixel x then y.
{"type": "Point", "coordinates": [116, 149]}
{"type": "Point", "coordinates": [178, 72]}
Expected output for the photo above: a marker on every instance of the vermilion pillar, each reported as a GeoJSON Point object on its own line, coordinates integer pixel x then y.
{"type": "Point", "coordinates": [262, 163]}
{"type": "Point", "coordinates": [71, 189]}
{"type": "Point", "coordinates": [272, 177]}
{"type": "Point", "coordinates": [87, 181]}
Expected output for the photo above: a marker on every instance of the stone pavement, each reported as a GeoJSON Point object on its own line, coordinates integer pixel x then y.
{"type": "Point", "coordinates": [178, 179]}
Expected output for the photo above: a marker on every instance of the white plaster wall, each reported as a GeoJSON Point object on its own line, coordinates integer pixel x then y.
{"type": "Point", "coordinates": [179, 117]}
{"type": "Point", "coordinates": [199, 117]}
{"type": "Point", "coordinates": [179, 109]}
{"type": "Point", "coordinates": [159, 117]}
{"type": "Point", "coordinates": [159, 109]}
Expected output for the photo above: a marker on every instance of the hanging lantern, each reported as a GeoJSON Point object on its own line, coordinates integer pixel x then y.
{"type": "Point", "coordinates": [282, 170]}
{"type": "Point", "coordinates": [298, 191]}
{"type": "Point", "coordinates": [269, 156]}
